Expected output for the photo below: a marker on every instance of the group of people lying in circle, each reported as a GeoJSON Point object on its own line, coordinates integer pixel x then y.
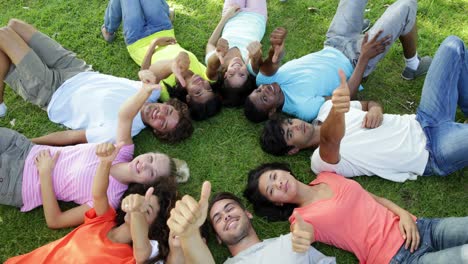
{"type": "Point", "coordinates": [127, 206]}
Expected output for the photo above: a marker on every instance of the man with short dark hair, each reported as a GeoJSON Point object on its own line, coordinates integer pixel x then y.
{"type": "Point", "coordinates": [355, 138]}
{"type": "Point", "coordinates": [231, 223]}
{"type": "Point", "coordinates": [44, 73]}
{"type": "Point", "coordinates": [301, 86]}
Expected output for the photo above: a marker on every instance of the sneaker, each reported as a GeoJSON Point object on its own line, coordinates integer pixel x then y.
{"type": "Point", "coordinates": [109, 37]}
{"type": "Point", "coordinates": [410, 74]}
{"type": "Point", "coordinates": [366, 24]}
{"type": "Point", "coordinates": [3, 109]}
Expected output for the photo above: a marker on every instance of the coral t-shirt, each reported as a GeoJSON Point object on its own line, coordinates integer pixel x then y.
{"type": "Point", "coordinates": [87, 243]}
{"type": "Point", "coordinates": [353, 220]}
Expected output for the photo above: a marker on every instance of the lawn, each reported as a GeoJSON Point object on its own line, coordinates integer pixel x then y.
{"type": "Point", "coordinates": [224, 148]}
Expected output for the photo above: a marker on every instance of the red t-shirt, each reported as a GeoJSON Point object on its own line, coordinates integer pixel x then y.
{"type": "Point", "coordinates": [353, 220]}
{"type": "Point", "coordinates": [88, 243]}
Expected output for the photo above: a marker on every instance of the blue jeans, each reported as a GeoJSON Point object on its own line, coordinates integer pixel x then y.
{"type": "Point", "coordinates": [141, 18]}
{"type": "Point", "coordinates": [443, 240]}
{"type": "Point", "coordinates": [445, 88]}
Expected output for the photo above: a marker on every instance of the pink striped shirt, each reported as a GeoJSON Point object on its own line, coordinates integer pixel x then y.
{"type": "Point", "coordinates": [72, 176]}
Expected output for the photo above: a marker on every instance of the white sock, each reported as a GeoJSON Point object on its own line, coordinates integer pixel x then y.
{"type": "Point", "coordinates": [413, 62]}
{"type": "Point", "coordinates": [3, 109]}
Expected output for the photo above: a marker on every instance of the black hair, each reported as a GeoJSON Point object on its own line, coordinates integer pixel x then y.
{"type": "Point", "coordinates": [165, 188]}
{"type": "Point", "coordinates": [198, 111]}
{"type": "Point", "coordinates": [235, 96]}
{"type": "Point", "coordinates": [253, 113]}
{"type": "Point", "coordinates": [262, 206]}
{"type": "Point", "coordinates": [272, 138]}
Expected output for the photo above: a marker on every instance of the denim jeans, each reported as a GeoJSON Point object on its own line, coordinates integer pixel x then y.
{"type": "Point", "coordinates": [445, 88]}
{"type": "Point", "coordinates": [141, 18]}
{"type": "Point", "coordinates": [345, 29]}
{"type": "Point", "coordinates": [443, 240]}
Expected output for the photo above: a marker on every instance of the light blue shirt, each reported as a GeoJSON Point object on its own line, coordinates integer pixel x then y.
{"type": "Point", "coordinates": [305, 81]}
{"type": "Point", "coordinates": [241, 30]}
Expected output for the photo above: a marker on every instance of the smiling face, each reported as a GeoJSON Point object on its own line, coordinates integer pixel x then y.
{"type": "Point", "coordinates": [297, 133]}
{"type": "Point", "coordinates": [278, 186]}
{"type": "Point", "coordinates": [267, 97]}
{"type": "Point", "coordinates": [150, 214]}
{"type": "Point", "coordinates": [146, 168]}
{"type": "Point", "coordinates": [230, 222]}
{"type": "Point", "coordinates": [199, 90]}
{"type": "Point", "coordinates": [161, 117]}
{"type": "Point", "coordinates": [236, 73]}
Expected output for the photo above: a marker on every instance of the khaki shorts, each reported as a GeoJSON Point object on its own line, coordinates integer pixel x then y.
{"type": "Point", "coordinates": [14, 149]}
{"type": "Point", "coordinates": [43, 70]}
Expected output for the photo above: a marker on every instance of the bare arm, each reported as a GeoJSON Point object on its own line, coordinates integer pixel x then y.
{"type": "Point", "coordinates": [62, 138]}
{"type": "Point", "coordinates": [176, 254]}
{"type": "Point", "coordinates": [213, 40]}
{"type": "Point", "coordinates": [149, 54]}
{"type": "Point", "coordinates": [139, 231]}
{"type": "Point", "coordinates": [272, 63]}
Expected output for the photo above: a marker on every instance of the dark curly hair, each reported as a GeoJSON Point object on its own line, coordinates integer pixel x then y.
{"type": "Point", "coordinates": [272, 138]}
{"type": "Point", "coordinates": [235, 96]}
{"type": "Point", "coordinates": [184, 127]}
{"type": "Point", "coordinates": [253, 113]}
{"type": "Point", "coordinates": [262, 206]}
{"type": "Point", "coordinates": [198, 111]}
{"type": "Point", "coordinates": [165, 188]}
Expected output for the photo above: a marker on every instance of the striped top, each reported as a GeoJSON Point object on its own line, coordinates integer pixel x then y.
{"type": "Point", "coordinates": [72, 176]}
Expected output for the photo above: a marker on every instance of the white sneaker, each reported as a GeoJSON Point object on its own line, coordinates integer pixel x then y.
{"type": "Point", "coordinates": [3, 109]}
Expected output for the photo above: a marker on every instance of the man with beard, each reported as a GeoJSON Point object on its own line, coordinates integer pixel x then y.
{"type": "Point", "coordinates": [231, 223]}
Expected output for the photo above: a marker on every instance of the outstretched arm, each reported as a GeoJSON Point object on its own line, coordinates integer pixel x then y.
{"type": "Point", "coordinates": [62, 138]}
{"type": "Point", "coordinates": [130, 109]}
{"type": "Point", "coordinates": [369, 49]}
{"type": "Point", "coordinates": [158, 42]}
{"type": "Point", "coordinates": [272, 63]}
{"type": "Point", "coordinates": [185, 221]}
{"type": "Point", "coordinates": [54, 216]}
{"type": "Point", "coordinates": [333, 129]}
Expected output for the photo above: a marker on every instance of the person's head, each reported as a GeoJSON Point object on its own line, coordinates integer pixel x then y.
{"type": "Point", "coordinates": [161, 203]}
{"type": "Point", "coordinates": [236, 73]}
{"type": "Point", "coordinates": [229, 218]}
{"type": "Point", "coordinates": [233, 95]}
{"type": "Point", "coordinates": [271, 188]}
{"type": "Point", "coordinates": [283, 136]}
{"type": "Point", "coordinates": [169, 121]}
{"type": "Point", "coordinates": [202, 99]}
{"type": "Point", "coordinates": [147, 168]}
{"type": "Point", "coordinates": [263, 102]}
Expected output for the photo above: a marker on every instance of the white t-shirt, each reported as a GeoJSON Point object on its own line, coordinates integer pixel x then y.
{"type": "Point", "coordinates": [279, 250]}
{"type": "Point", "coordinates": [395, 151]}
{"type": "Point", "coordinates": [91, 101]}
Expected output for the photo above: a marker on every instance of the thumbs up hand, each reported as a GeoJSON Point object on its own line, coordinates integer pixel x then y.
{"type": "Point", "coordinates": [188, 214]}
{"type": "Point", "coordinates": [341, 96]}
{"type": "Point", "coordinates": [138, 203]}
{"type": "Point", "coordinates": [302, 234]}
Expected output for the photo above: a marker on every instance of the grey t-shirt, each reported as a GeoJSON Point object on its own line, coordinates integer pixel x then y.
{"type": "Point", "coordinates": [279, 250]}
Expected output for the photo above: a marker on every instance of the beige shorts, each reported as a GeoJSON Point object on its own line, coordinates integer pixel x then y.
{"type": "Point", "coordinates": [43, 70]}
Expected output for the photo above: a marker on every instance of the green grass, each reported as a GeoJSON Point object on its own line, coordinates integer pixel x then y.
{"type": "Point", "coordinates": [224, 148]}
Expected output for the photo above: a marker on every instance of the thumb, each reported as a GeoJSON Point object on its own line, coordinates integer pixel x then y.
{"type": "Point", "coordinates": [342, 78]}
{"type": "Point", "coordinates": [276, 54]}
{"type": "Point", "coordinates": [205, 194]}
{"type": "Point", "coordinates": [148, 194]}
{"type": "Point", "coordinates": [179, 77]}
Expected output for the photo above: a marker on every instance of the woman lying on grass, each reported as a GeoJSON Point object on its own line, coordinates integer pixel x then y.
{"type": "Point", "coordinates": [339, 212]}
{"type": "Point", "coordinates": [152, 44]}
{"type": "Point", "coordinates": [234, 50]}
{"type": "Point", "coordinates": [135, 233]}
{"type": "Point", "coordinates": [23, 185]}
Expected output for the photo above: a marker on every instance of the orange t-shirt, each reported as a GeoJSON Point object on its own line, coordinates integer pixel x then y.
{"type": "Point", "coordinates": [88, 243]}
{"type": "Point", "coordinates": [353, 220]}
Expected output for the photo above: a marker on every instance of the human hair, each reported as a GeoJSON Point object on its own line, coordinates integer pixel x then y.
{"type": "Point", "coordinates": [198, 111]}
{"type": "Point", "coordinates": [272, 138]}
{"type": "Point", "coordinates": [262, 206]}
{"type": "Point", "coordinates": [253, 113]}
{"type": "Point", "coordinates": [184, 127]}
{"type": "Point", "coordinates": [165, 188]}
{"type": "Point", "coordinates": [235, 96]}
